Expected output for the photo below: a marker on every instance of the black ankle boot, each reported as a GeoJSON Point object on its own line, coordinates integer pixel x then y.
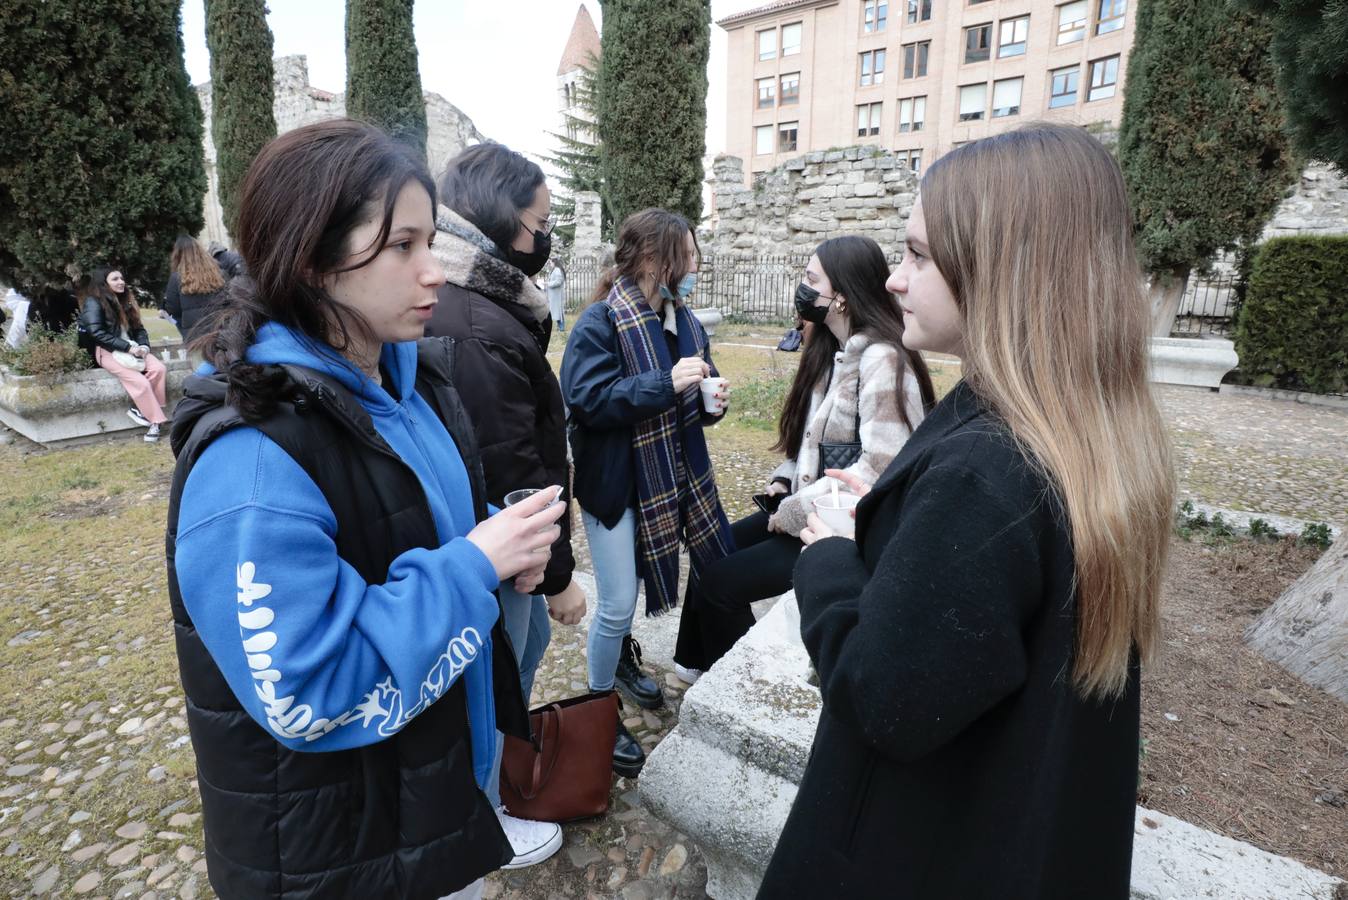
{"type": "Point", "coordinates": [628, 757]}
{"type": "Point", "coordinates": [640, 688]}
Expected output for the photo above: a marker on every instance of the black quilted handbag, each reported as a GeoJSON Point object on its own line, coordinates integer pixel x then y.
{"type": "Point", "coordinates": [842, 455]}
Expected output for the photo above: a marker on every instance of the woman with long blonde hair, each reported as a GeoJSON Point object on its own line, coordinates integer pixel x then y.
{"type": "Point", "coordinates": [978, 645]}
{"type": "Point", "coordinates": [194, 286]}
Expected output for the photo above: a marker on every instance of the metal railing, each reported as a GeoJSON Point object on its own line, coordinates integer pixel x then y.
{"type": "Point", "coordinates": [760, 290]}
{"type": "Point", "coordinates": [756, 289]}
{"type": "Point", "coordinates": [1209, 306]}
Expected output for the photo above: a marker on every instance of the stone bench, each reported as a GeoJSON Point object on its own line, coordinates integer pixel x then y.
{"type": "Point", "coordinates": [727, 774]}
{"type": "Point", "coordinates": [78, 406]}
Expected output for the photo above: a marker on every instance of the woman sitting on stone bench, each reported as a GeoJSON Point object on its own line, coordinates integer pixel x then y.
{"type": "Point", "coordinates": [856, 383]}
{"type": "Point", "coordinates": [111, 329]}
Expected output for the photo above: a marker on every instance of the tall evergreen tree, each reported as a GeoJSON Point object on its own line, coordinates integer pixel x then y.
{"type": "Point", "coordinates": [383, 86]}
{"type": "Point", "coordinates": [100, 155]}
{"type": "Point", "coordinates": [241, 92]}
{"type": "Point", "coordinates": [1310, 51]}
{"type": "Point", "coordinates": [578, 159]}
{"type": "Point", "coordinates": [1201, 142]}
{"type": "Point", "coordinates": [652, 92]}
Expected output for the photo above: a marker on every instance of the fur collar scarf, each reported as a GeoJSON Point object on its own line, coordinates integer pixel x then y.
{"type": "Point", "coordinates": [472, 261]}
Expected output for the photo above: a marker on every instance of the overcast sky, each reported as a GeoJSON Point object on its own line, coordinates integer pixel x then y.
{"type": "Point", "coordinates": [496, 61]}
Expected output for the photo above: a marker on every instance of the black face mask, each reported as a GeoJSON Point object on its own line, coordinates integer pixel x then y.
{"type": "Point", "coordinates": [805, 298]}
{"type": "Point", "coordinates": [531, 263]}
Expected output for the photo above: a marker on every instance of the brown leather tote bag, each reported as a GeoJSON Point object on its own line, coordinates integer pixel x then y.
{"type": "Point", "coordinates": [569, 773]}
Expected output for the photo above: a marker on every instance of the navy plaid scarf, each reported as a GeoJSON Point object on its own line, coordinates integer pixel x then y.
{"type": "Point", "coordinates": [676, 488]}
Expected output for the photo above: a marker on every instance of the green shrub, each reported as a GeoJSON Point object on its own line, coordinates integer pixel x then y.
{"type": "Point", "coordinates": [47, 354]}
{"type": "Point", "coordinates": [1292, 331]}
{"type": "Point", "coordinates": [1317, 535]}
{"type": "Point", "coordinates": [1260, 528]}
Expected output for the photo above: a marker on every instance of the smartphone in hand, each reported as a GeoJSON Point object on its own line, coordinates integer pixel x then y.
{"type": "Point", "coordinates": [768, 502]}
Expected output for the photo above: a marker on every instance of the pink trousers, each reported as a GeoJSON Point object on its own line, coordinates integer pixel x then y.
{"type": "Point", "coordinates": [146, 389]}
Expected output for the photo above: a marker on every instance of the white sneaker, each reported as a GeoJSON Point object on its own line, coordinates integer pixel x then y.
{"type": "Point", "coordinates": [532, 841]}
{"type": "Point", "coordinates": [152, 434]}
{"type": "Point", "coordinates": [135, 416]}
{"type": "Point", "coordinates": [687, 676]}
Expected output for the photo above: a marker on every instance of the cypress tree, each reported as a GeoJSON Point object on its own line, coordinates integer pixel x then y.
{"type": "Point", "coordinates": [100, 156]}
{"type": "Point", "coordinates": [1310, 52]}
{"type": "Point", "coordinates": [241, 92]}
{"type": "Point", "coordinates": [383, 86]}
{"type": "Point", "coordinates": [652, 92]}
{"type": "Point", "coordinates": [1201, 142]}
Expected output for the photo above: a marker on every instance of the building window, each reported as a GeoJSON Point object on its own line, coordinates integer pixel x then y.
{"type": "Point", "coordinates": [767, 92]}
{"type": "Point", "coordinates": [973, 102]}
{"type": "Point", "coordinates": [762, 140]}
{"type": "Point", "coordinates": [912, 113]}
{"type": "Point", "coordinates": [872, 67]}
{"type": "Point", "coordinates": [913, 159]}
{"type": "Point", "coordinates": [1012, 37]}
{"type": "Point", "coordinates": [1072, 22]}
{"type": "Point", "coordinates": [791, 39]}
{"type": "Point", "coordinates": [786, 136]}
{"type": "Point", "coordinates": [874, 15]}
{"type": "Point", "coordinates": [767, 44]}
{"type": "Point", "coordinates": [919, 11]}
{"type": "Point", "coordinates": [868, 119]}
{"type": "Point", "coordinates": [976, 2]}
{"type": "Point", "coordinates": [1104, 77]}
{"type": "Point", "coordinates": [1064, 87]}
{"type": "Point", "coordinates": [1006, 97]}
{"type": "Point", "coordinates": [1111, 16]}
{"type": "Point", "coordinates": [915, 59]}
{"type": "Point", "coordinates": [790, 88]}
{"type": "Point", "coordinates": [977, 40]}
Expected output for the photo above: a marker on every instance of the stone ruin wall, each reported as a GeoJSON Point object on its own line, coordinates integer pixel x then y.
{"type": "Point", "coordinates": [791, 209]}
{"type": "Point", "coordinates": [297, 103]}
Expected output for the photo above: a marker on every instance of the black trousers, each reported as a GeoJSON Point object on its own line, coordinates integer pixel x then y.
{"type": "Point", "coordinates": [716, 610]}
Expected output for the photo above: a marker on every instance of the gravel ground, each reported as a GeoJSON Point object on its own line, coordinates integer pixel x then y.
{"type": "Point", "coordinates": [97, 797]}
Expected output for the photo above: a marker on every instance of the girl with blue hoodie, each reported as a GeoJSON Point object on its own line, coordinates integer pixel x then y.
{"type": "Point", "coordinates": [332, 567]}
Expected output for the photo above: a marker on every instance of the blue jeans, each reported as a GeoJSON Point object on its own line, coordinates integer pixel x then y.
{"type": "Point", "coordinates": [614, 553]}
{"type": "Point", "coordinates": [525, 620]}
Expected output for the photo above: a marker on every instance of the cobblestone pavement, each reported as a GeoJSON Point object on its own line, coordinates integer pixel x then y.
{"type": "Point", "coordinates": [1259, 455]}
{"type": "Point", "coordinates": [97, 797]}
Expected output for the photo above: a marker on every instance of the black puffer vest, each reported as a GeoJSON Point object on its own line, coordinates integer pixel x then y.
{"type": "Point", "coordinates": [402, 818]}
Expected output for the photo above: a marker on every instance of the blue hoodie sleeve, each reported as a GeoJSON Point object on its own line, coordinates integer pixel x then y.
{"type": "Point", "coordinates": [320, 659]}
{"type": "Point", "coordinates": [596, 392]}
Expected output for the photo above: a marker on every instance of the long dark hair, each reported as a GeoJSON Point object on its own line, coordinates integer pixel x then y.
{"type": "Point", "coordinates": [650, 234]}
{"type": "Point", "coordinates": [303, 195]}
{"type": "Point", "coordinates": [120, 308]}
{"type": "Point", "coordinates": [856, 269]}
{"type": "Point", "coordinates": [489, 185]}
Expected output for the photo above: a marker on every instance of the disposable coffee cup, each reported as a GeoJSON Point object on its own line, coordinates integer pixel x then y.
{"type": "Point", "coordinates": [837, 514]}
{"type": "Point", "coordinates": [710, 388]}
{"type": "Point", "coordinates": [523, 494]}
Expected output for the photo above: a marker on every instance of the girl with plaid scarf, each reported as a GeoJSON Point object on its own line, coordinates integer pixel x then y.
{"type": "Point", "coordinates": [643, 477]}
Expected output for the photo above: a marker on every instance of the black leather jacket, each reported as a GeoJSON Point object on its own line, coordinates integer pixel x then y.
{"type": "Point", "coordinates": [102, 330]}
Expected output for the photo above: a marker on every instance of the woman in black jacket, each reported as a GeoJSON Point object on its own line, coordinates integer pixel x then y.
{"type": "Point", "coordinates": [194, 285]}
{"type": "Point", "coordinates": [493, 236]}
{"type": "Point", "coordinates": [978, 645]}
{"type": "Point", "coordinates": [111, 327]}
{"type": "Point", "coordinates": [631, 377]}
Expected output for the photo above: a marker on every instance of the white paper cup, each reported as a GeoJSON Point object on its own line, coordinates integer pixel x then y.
{"type": "Point", "coordinates": [838, 516]}
{"type": "Point", "coordinates": [711, 387]}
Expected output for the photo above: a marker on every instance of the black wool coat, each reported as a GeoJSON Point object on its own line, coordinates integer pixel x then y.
{"type": "Point", "coordinates": [501, 371]}
{"type": "Point", "coordinates": [953, 757]}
